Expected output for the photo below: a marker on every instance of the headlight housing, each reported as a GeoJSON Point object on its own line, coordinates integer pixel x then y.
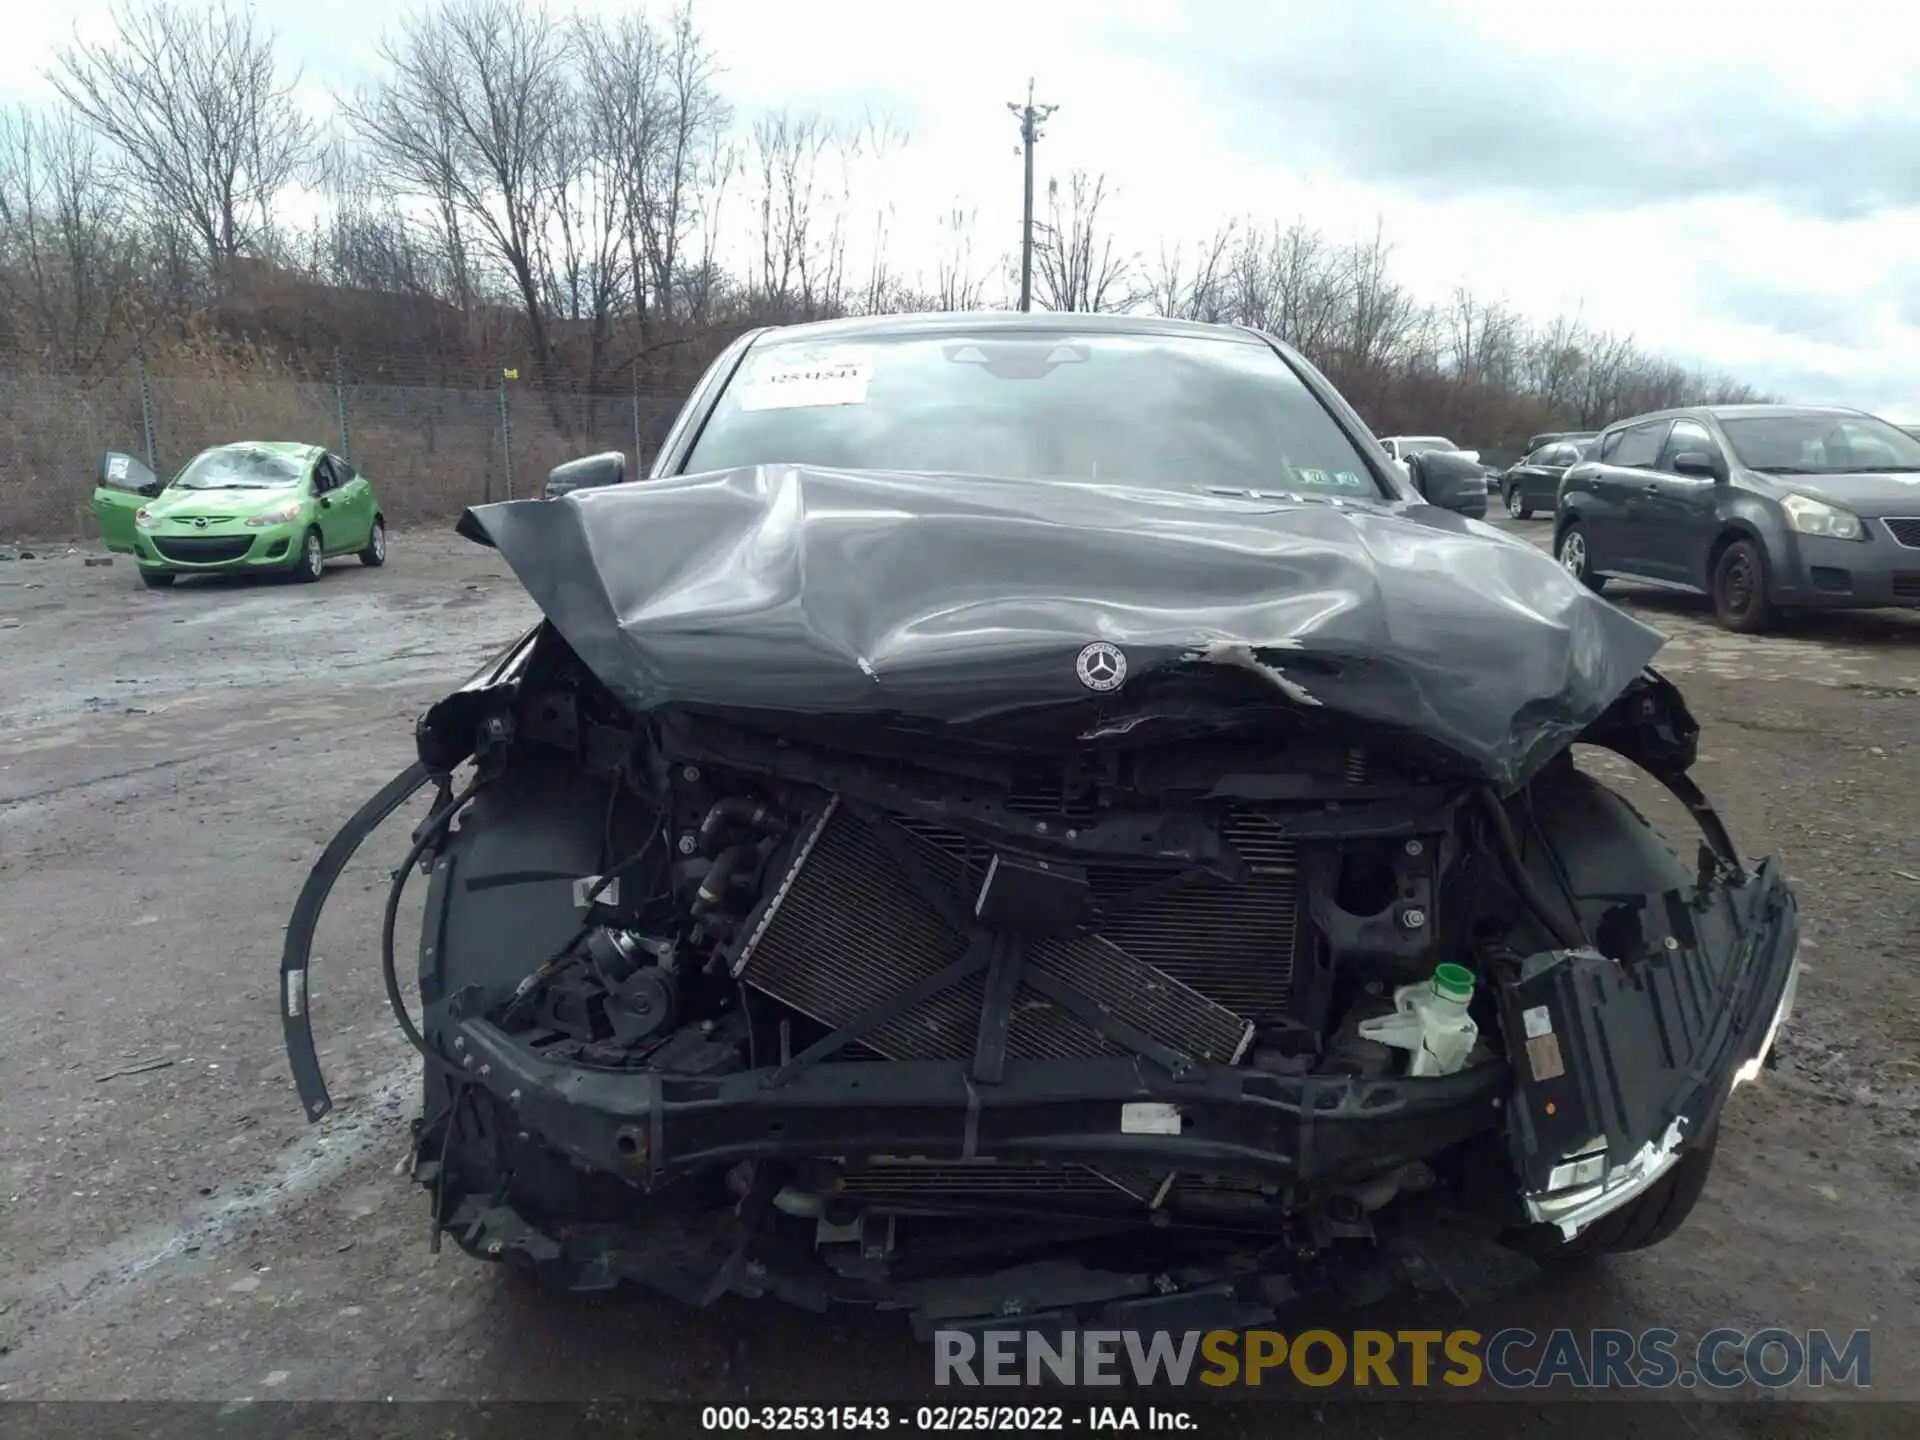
{"type": "Point", "coordinates": [143, 519]}
{"type": "Point", "coordinates": [284, 515]}
{"type": "Point", "coordinates": [1816, 517]}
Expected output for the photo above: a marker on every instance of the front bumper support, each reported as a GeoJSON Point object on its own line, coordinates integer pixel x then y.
{"type": "Point", "coordinates": [1615, 1068]}
{"type": "Point", "coordinates": [1109, 1110]}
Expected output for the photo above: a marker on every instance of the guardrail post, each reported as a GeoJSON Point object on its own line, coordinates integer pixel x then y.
{"type": "Point", "coordinates": [340, 407]}
{"type": "Point", "coordinates": [506, 432]}
{"type": "Point", "coordinates": [146, 409]}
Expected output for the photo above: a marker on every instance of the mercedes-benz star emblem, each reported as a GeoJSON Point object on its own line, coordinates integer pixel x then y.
{"type": "Point", "coordinates": [1101, 666]}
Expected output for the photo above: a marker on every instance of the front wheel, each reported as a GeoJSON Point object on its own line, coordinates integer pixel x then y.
{"type": "Point", "coordinates": [375, 554]}
{"type": "Point", "coordinates": [1517, 505]}
{"type": "Point", "coordinates": [1572, 554]}
{"type": "Point", "coordinates": [313, 559]}
{"type": "Point", "coordinates": [1740, 600]}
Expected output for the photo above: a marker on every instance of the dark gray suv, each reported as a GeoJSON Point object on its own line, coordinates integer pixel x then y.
{"type": "Point", "coordinates": [1761, 507]}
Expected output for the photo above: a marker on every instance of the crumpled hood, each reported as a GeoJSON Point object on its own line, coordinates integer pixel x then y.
{"type": "Point", "coordinates": [958, 599]}
{"type": "Point", "coordinates": [235, 504]}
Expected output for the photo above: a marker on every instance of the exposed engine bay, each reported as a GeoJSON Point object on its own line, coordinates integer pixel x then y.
{"type": "Point", "coordinates": [1005, 1019]}
{"type": "Point", "coordinates": [993, 898]}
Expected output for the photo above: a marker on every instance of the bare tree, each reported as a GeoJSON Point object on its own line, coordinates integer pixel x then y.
{"type": "Point", "coordinates": [364, 240]}
{"type": "Point", "coordinates": [802, 245]}
{"type": "Point", "coordinates": [68, 267]}
{"type": "Point", "coordinates": [1481, 340]}
{"type": "Point", "coordinates": [886, 289]}
{"type": "Point", "coordinates": [621, 66]}
{"type": "Point", "coordinates": [956, 286]}
{"type": "Point", "coordinates": [1551, 360]}
{"type": "Point", "coordinates": [1604, 375]}
{"type": "Point", "coordinates": [696, 115]}
{"type": "Point", "coordinates": [699, 281]}
{"type": "Point", "coordinates": [200, 119]}
{"type": "Point", "coordinates": [1382, 317]}
{"type": "Point", "coordinates": [477, 115]}
{"type": "Point", "coordinates": [581, 246]}
{"type": "Point", "coordinates": [658, 115]}
{"type": "Point", "coordinates": [1075, 264]}
{"type": "Point", "coordinates": [1202, 293]}
{"type": "Point", "coordinates": [1315, 290]}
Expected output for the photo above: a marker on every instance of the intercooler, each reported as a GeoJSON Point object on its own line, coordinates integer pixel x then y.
{"type": "Point", "coordinates": [1191, 964]}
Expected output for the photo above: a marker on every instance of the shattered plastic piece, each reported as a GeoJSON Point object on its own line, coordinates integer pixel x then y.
{"type": "Point", "coordinates": [1222, 653]}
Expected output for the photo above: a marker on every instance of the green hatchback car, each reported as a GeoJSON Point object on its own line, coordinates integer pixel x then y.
{"type": "Point", "coordinates": [251, 506]}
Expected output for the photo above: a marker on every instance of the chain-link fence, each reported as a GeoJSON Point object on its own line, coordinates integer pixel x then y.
{"type": "Point", "coordinates": [430, 449]}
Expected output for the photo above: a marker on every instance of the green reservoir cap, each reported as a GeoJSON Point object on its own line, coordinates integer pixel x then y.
{"type": "Point", "coordinates": [1455, 982]}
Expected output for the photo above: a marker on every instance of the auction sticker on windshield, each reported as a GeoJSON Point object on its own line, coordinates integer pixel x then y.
{"type": "Point", "coordinates": [806, 381]}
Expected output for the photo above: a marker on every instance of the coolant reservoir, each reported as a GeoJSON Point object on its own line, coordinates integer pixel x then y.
{"type": "Point", "coordinates": [1430, 1021]}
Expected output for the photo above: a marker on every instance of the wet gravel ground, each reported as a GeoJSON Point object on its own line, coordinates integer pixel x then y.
{"type": "Point", "coordinates": [172, 762]}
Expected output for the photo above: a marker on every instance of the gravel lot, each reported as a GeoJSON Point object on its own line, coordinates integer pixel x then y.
{"type": "Point", "coordinates": [172, 762]}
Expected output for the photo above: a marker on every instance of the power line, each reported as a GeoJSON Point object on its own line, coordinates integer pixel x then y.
{"type": "Point", "coordinates": [1030, 115]}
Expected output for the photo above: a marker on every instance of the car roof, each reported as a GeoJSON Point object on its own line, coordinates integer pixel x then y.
{"type": "Point", "coordinates": [1735, 412]}
{"type": "Point", "coordinates": [861, 327]}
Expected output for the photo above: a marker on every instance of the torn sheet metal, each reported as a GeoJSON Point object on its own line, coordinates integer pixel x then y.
{"type": "Point", "coordinates": [961, 599]}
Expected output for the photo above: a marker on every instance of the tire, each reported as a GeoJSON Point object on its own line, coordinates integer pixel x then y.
{"type": "Point", "coordinates": [1740, 600]}
{"type": "Point", "coordinates": [1646, 1221]}
{"type": "Point", "coordinates": [311, 563]}
{"type": "Point", "coordinates": [157, 579]}
{"type": "Point", "coordinates": [1571, 551]}
{"type": "Point", "coordinates": [1517, 506]}
{"type": "Point", "coordinates": [375, 554]}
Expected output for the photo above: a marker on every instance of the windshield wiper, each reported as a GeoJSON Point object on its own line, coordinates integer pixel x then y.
{"type": "Point", "coordinates": [1785, 470]}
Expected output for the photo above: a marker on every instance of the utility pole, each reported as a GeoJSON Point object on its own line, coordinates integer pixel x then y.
{"type": "Point", "coordinates": [1030, 115]}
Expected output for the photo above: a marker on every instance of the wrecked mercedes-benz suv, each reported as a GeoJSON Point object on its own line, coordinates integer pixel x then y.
{"type": "Point", "coordinates": [1033, 815]}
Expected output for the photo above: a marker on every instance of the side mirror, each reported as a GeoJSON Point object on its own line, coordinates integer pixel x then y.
{"type": "Point", "coordinates": [1696, 462]}
{"type": "Point", "coordinates": [120, 471]}
{"type": "Point", "coordinates": [589, 473]}
{"type": "Point", "coordinates": [1447, 479]}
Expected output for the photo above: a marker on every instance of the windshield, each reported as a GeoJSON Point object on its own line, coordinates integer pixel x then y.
{"type": "Point", "coordinates": [1424, 444]}
{"type": "Point", "coordinates": [241, 467]}
{"type": "Point", "coordinates": [1162, 411]}
{"type": "Point", "coordinates": [1821, 444]}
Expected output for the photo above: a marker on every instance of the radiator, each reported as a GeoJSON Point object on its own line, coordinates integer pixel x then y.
{"type": "Point", "coordinates": [846, 927]}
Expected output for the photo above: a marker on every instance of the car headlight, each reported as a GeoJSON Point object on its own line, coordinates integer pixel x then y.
{"type": "Point", "coordinates": [1816, 517]}
{"type": "Point", "coordinates": [282, 516]}
{"type": "Point", "coordinates": [143, 518]}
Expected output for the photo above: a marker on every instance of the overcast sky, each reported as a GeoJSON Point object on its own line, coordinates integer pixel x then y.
{"type": "Point", "coordinates": [1736, 186]}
